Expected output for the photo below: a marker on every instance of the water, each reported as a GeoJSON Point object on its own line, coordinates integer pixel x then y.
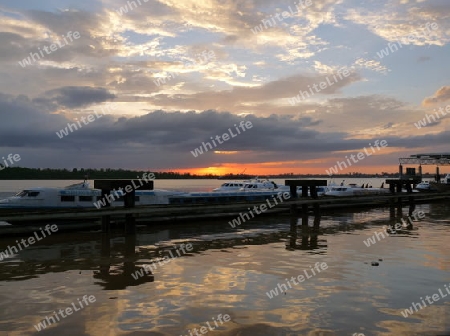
{"type": "Point", "coordinates": [229, 271]}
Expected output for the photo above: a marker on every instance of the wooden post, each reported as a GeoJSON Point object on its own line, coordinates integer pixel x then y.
{"type": "Point", "coordinates": [293, 190]}
{"type": "Point", "coordinates": [304, 191]}
{"type": "Point", "coordinates": [392, 188]}
{"type": "Point", "coordinates": [129, 202]}
{"type": "Point", "coordinates": [293, 209]}
{"type": "Point", "coordinates": [293, 232]}
{"type": "Point", "coordinates": [106, 220]}
{"type": "Point", "coordinates": [314, 192]}
{"type": "Point", "coordinates": [408, 187]}
{"type": "Point", "coordinates": [130, 254]}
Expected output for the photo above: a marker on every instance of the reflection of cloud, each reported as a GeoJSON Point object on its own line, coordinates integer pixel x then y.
{"type": "Point", "coordinates": [441, 95]}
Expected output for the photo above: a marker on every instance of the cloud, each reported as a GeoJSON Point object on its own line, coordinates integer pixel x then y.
{"type": "Point", "coordinates": [441, 95]}
{"type": "Point", "coordinates": [74, 97]}
{"type": "Point", "coordinates": [143, 141]}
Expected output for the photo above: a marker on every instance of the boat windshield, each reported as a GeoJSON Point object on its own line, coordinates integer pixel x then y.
{"type": "Point", "coordinates": [29, 193]}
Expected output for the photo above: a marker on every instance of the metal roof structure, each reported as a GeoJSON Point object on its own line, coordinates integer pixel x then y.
{"type": "Point", "coordinates": [438, 159]}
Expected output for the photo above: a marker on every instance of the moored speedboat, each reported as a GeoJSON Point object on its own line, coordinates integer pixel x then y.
{"type": "Point", "coordinates": [443, 186]}
{"type": "Point", "coordinates": [353, 190]}
{"type": "Point", "coordinates": [425, 186]}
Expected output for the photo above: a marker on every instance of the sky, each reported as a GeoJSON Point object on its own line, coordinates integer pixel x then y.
{"type": "Point", "coordinates": [146, 82]}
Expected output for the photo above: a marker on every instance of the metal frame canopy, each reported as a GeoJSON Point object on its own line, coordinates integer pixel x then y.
{"type": "Point", "coordinates": [439, 159]}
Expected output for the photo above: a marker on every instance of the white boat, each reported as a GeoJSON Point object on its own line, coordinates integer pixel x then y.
{"type": "Point", "coordinates": [80, 196]}
{"type": "Point", "coordinates": [255, 184]}
{"type": "Point", "coordinates": [443, 186]}
{"type": "Point", "coordinates": [353, 190]}
{"type": "Point", "coordinates": [231, 186]}
{"type": "Point", "coordinates": [424, 186]}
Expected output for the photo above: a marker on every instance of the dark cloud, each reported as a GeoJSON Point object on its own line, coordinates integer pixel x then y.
{"type": "Point", "coordinates": [75, 96]}
{"type": "Point", "coordinates": [165, 140]}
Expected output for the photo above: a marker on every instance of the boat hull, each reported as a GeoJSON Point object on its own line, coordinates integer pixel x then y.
{"type": "Point", "coordinates": [440, 187]}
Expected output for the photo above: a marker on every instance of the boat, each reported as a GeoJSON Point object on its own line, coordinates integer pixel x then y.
{"type": "Point", "coordinates": [425, 186]}
{"type": "Point", "coordinates": [80, 195]}
{"type": "Point", "coordinates": [254, 184]}
{"type": "Point", "coordinates": [257, 184]}
{"type": "Point", "coordinates": [353, 190]}
{"type": "Point", "coordinates": [443, 186]}
{"type": "Point", "coordinates": [231, 186]}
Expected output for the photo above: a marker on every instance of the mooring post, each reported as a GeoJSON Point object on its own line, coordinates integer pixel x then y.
{"type": "Point", "coordinates": [392, 188]}
{"type": "Point", "coordinates": [105, 253]}
{"type": "Point", "coordinates": [293, 209]}
{"type": "Point", "coordinates": [399, 207]}
{"type": "Point", "coordinates": [130, 254]}
{"type": "Point", "coordinates": [313, 192]}
{"type": "Point", "coordinates": [412, 206]}
{"type": "Point", "coordinates": [129, 202]}
{"type": "Point", "coordinates": [316, 210]}
{"type": "Point", "coordinates": [392, 209]}
{"type": "Point", "coordinates": [106, 219]}
{"type": "Point", "coordinates": [408, 187]}
{"type": "Point", "coordinates": [305, 231]}
{"type": "Point", "coordinates": [293, 232]}
{"type": "Point", "coordinates": [293, 191]}
{"type": "Point", "coordinates": [304, 191]}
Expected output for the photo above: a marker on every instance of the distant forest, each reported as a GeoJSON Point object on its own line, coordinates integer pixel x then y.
{"type": "Point", "coordinates": [20, 173]}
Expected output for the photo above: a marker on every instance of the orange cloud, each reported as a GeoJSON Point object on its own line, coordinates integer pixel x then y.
{"type": "Point", "coordinates": [442, 95]}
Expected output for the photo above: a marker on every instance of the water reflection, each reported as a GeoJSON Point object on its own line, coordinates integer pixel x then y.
{"type": "Point", "coordinates": [309, 235]}
{"type": "Point", "coordinates": [120, 276]}
{"type": "Point", "coordinates": [230, 270]}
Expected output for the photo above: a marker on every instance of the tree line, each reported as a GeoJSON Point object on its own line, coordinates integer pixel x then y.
{"type": "Point", "coordinates": [20, 173]}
